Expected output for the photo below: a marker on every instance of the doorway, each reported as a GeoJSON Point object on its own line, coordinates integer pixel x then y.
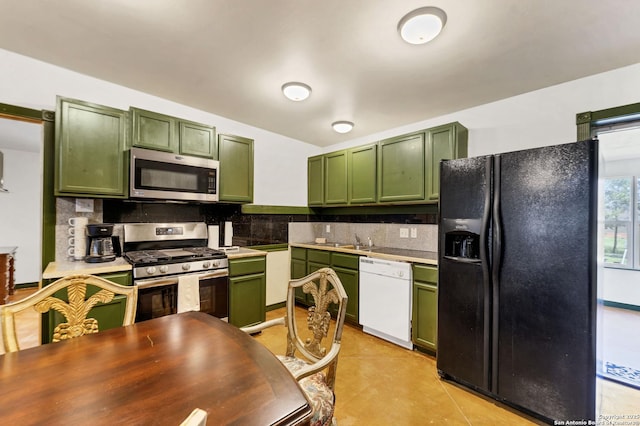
{"type": "Point", "coordinates": [618, 348]}
{"type": "Point", "coordinates": [21, 143]}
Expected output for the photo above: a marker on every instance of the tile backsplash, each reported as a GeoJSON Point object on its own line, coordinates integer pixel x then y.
{"type": "Point", "coordinates": [381, 234]}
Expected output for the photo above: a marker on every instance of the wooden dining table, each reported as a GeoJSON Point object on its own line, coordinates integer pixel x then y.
{"type": "Point", "coordinates": [151, 373]}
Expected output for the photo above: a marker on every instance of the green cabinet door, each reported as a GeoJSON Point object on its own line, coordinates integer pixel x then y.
{"type": "Point", "coordinates": [109, 315]}
{"type": "Point", "coordinates": [153, 130]}
{"type": "Point", "coordinates": [446, 142]}
{"type": "Point", "coordinates": [198, 140]}
{"type": "Point", "coordinates": [335, 178]}
{"type": "Point", "coordinates": [299, 270]}
{"type": "Point", "coordinates": [247, 300]}
{"type": "Point", "coordinates": [315, 180]}
{"type": "Point", "coordinates": [235, 154]}
{"type": "Point", "coordinates": [349, 279]}
{"type": "Point", "coordinates": [247, 290]}
{"type": "Point", "coordinates": [346, 267]}
{"type": "Point", "coordinates": [362, 174]}
{"type": "Point", "coordinates": [425, 307]}
{"type": "Point", "coordinates": [401, 174]}
{"type": "Point", "coordinates": [90, 149]}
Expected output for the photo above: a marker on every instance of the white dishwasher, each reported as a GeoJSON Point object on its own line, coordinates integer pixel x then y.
{"type": "Point", "coordinates": [385, 300]}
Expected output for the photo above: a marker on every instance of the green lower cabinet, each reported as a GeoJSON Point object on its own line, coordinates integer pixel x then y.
{"type": "Point", "coordinates": [349, 280]}
{"type": "Point", "coordinates": [247, 291]}
{"type": "Point", "coordinates": [425, 307]}
{"type": "Point", "coordinates": [109, 315]}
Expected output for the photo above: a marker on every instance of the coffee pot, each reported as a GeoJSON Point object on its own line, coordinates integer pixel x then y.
{"type": "Point", "coordinates": [102, 246]}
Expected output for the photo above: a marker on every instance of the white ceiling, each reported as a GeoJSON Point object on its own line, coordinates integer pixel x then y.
{"type": "Point", "coordinates": [231, 57]}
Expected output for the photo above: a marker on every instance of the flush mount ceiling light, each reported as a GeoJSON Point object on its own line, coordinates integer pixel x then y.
{"type": "Point", "coordinates": [296, 91]}
{"type": "Point", "coordinates": [342, 126]}
{"type": "Point", "coordinates": [422, 25]}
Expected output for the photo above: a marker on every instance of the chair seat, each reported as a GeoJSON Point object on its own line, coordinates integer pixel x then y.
{"type": "Point", "coordinates": [316, 389]}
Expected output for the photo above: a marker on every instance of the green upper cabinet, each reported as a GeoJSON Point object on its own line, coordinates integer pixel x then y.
{"type": "Point", "coordinates": [362, 173]}
{"type": "Point", "coordinates": [162, 132]}
{"type": "Point", "coordinates": [235, 154]}
{"type": "Point", "coordinates": [90, 149]}
{"type": "Point", "coordinates": [198, 140]}
{"type": "Point", "coordinates": [401, 168]}
{"type": "Point", "coordinates": [335, 178]}
{"type": "Point", "coordinates": [153, 130]}
{"type": "Point", "coordinates": [315, 180]}
{"type": "Point", "coordinates": [443, 143]}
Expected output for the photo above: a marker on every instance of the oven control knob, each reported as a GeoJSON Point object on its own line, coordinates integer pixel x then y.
{"type": "Point", "coordinates": [186, 267]}
{"type": "Point", "coordinates": [151, 270]}
{"type": "Point", "coordinates": [164, 269]}
{"type": "Point", "coordinates": [206, 265]}
{"type": "Point", "coordinates": [216, 263]}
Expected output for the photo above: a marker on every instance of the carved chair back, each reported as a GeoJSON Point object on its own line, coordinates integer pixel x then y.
{"type": "Point", "coordinates": [75, 309]}
{"type": "Point", "coordinates": [327, 291]}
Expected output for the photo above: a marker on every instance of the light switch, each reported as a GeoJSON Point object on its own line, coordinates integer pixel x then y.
{"type": "Point", "coordinates": [414, 232]}
{"type": "Point", "coordinates": [328, 228]}
{"type": "Point", "coordinates": [404, 232]}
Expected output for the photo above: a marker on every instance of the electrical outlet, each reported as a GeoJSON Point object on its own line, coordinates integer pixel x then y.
{"type": "Point", "coordinates": [328, 228]}
{"type": "Point", "coordinates": [414, 232]}
{"type": "Point", "coordinates": [84, 205]}
{"type": "Point", "coordinates": [404, 232]}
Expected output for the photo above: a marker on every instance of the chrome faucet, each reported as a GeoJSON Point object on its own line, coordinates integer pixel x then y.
{"type": "Point", "coordinates": [358, 243]}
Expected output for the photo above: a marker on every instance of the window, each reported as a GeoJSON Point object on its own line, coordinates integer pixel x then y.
{"type": "Point", "coordinates": [620, 194]}
{"type": "Point", "coordinates": [618, 220]}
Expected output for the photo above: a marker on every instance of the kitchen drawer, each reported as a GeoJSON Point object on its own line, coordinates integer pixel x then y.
{"type": "Point", "coordinates": [247, 266]}
{"type": "Point", "coordinates": [319, 256]}
{"type": "Point", "coordinates": [298, 253]}
{"type": "Point", "coordinates": [425, 274]}
{"type": "Point", "coordinates": [341, 260]}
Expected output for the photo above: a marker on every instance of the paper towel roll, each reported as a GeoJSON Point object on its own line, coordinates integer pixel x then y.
{"type": "Point", "coordinates": [214, 236]}
{"type": "Point", "coordinates": [228, 234]}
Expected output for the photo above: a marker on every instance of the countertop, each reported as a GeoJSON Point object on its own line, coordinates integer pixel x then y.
{"type": "Point", "coordinates": [62, 269]}
{"type": "Point", "coordinates": [389, 253]}
{"type": "Point", "coordinates": [245, 252]}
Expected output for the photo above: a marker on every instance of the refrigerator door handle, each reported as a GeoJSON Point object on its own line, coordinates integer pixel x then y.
{"type": "Point", "coordinates": [495, 270]}
{"type": "Point", "coordinates": [486, 273]}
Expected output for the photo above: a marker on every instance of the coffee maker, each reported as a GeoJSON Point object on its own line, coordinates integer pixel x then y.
{"type": "Point", "coordinates": [102, 245]}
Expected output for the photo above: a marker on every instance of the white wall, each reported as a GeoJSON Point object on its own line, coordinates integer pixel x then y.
{"type": "Point", "coordinates": [539, 118]}
{"type": "Point", "coordinates": [279, 161]}
{"type": "Point", "coordinates": [20, 212]}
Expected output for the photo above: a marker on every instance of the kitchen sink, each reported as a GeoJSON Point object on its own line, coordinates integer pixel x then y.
{"type": "Point", "coordinates": [337, 245]}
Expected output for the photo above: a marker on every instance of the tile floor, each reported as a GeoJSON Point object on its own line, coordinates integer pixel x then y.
{"type": "Point", "coordinates": [379, 383]}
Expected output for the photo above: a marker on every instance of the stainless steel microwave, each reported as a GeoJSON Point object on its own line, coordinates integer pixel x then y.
{"type": "Point", "coordinates": [167, 176]}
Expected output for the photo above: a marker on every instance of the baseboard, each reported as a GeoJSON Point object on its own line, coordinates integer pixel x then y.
{"type": "Point", "coordinates": [26, 285]}
{"type": "Point", "coordinates": [276, 306]}
{"type": "Point", "coordinates": [621, 305]}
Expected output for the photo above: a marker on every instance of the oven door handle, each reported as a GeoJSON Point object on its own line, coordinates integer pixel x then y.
{"type": "Point", "coordinates": [216, 274]}
{"type": "Point", "coordinates": [158, 282]}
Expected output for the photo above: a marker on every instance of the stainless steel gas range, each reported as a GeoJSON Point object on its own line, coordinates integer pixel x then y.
{"type": "Point", "coordinates": [163, 255]}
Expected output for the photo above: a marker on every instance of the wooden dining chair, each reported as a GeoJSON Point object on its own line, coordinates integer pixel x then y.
{"type": "Point", "coordinates": [315, 370]}
{"type": "Point", "coordinates": [75, 308]}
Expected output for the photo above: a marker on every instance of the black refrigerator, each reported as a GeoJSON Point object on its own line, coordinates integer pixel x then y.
{"type": "Point", "coordinates": [517, 278]}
